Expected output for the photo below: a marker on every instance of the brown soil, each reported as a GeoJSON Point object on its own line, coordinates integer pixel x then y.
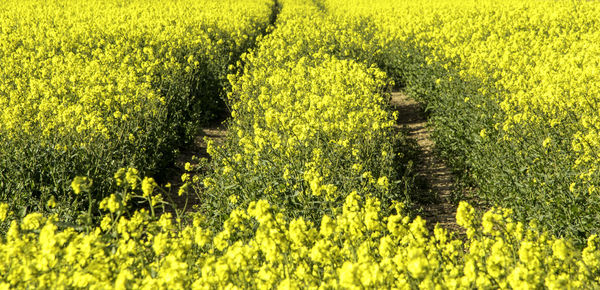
{"type": "Point", "coordinates": [436, 206]}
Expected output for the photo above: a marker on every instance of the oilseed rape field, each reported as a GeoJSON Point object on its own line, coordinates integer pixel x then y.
{"type": "Point", "coordinates": [313, 185]}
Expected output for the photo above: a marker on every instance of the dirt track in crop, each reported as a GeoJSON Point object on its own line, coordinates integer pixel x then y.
{"type": "Point", "coordinates": [217, 131]}
{"type": "Point", "coordinates": [435, 205]}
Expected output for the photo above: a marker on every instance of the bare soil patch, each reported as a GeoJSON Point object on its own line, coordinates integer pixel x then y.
{"type": "Point", "coordinates": [436, 204]}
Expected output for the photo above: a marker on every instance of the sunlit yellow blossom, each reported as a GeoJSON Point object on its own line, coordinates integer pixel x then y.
{"type": "Point", "coordinates": [561, 249]}
{"type": "Point", "coordinates": [131, 177]}
{"type": "Point", "coordinates": [148, 185]}
{"type": "Point", "coordinates": [80, 184]}
{"type": "Point", "coordinates": [3, 211]}
{"type": "Point", "coordinates": [51, 203]}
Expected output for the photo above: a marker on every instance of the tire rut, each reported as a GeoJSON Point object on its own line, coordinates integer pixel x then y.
{"type": "Point", "coordinates": [434, 204]}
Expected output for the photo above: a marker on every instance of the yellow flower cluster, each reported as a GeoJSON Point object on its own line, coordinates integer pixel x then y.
{"type": "Point", "coordinates": [96, 64]}
{"type": "Point", "coordinates": [88, 87]}
{"type": "Point", "coordinates": [259, 248]}
{"type": "Point", "coordinates": [309, 125]}
{"type": "Point", "coordinates": [513, 87]}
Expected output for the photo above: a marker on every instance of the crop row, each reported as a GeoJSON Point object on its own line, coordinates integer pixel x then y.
{"type": "Point", "coordinates": [308, 127]}
{"type": "Point", "coordinates": [87, 88]}
{"type": "Point", "coordinates": [512, 88]}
